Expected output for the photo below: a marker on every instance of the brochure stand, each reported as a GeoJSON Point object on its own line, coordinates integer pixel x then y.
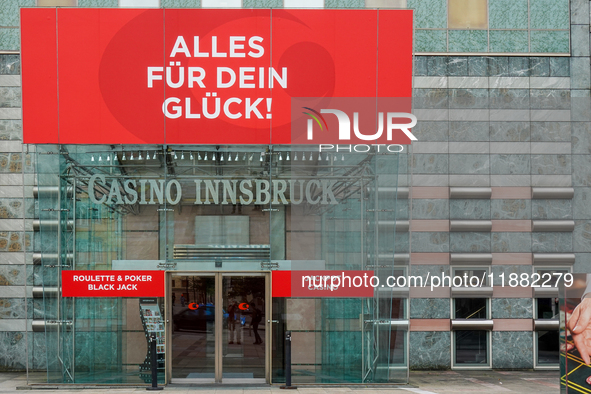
{"type": "Point", "coordinates": [153, 324]}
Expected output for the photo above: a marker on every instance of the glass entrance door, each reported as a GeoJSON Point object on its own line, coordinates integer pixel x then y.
{"type": "Point", "coordinates": [193, 327]}
{"type": "Point", "coordinates": [218, 328]}
{"type": "Point", "coordinates": [243, 339]}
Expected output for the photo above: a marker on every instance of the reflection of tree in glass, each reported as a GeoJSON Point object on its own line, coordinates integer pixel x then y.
{"type": "Point", "coordinates": [203, 289]}
{"type": "Point", "coordinates": [243, 287]}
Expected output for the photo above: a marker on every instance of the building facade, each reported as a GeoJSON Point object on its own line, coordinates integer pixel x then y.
{"type": "Point", "coordinates": [497, 186]}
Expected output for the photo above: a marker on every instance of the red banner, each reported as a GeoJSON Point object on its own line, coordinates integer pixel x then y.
{"type": "Point", "coordinates": [112, 283]}
{"type": "Point", "coordinates": [323, 284]}
{"type": "Point", "coordinates": [204, 76]}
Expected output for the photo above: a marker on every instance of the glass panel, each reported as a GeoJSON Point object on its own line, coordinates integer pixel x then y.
{"type": "Point", "coordinates": [222, 219]}
{"type": "Point", "coordinates": [193, 330]}
{"type": "Point", "coordinates": [243, 346]}
{"type": "Point", "coordinates": [278, 327]}
{"type": "Point", "coordinates": [467, 14]}
{"type": "Point", "coordinates": [467, 273]}
{"type": "Point", "coordinates": [471, 347]}
{"type": "Point", "coordinates": [345, 221]}
{"type": "Point", "coordinates": [470, 308]}
{"type": "Point", "coordinates": [547, 346]}
{"type": "Point", "coordinates": [547, 308]}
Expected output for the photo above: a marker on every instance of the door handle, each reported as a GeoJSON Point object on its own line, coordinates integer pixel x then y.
{"type": "Point", "coordinates": [272, 321]}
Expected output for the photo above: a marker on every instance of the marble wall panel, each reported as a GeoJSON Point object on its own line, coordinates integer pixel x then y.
{"type": "Point", "coordinates": [581, 137]}
{"type": "Point", "coordinates": [549, 41]}
{"type": "Point", "coordinates": [431, 131]}
{"type": "Point", "coordinates": [510, 131]}
{"type": "Point", "coordinates": [100, 3]}
{"type": "Point", "coordinates": [551, 209]}
{"type": "Point", "coordinates": [580, 73]}
{"type": "Point", "coordinates": [551, 164]}
{"type": "Point", "coordinates": [430, 98]}
{"type": "Point", "coordinates": [13, 351]}
{"type": "Point", "coordinates": [511, 242]}
{"type": "Point", "coordinates": [10, 97]}
{"type": "Point", "coordinates": [509, 98]}
{"type": "Point", "coordinates": [582, 236]}
{"type": "Point", "coordinates": [581, 203]}
{"type": "Point", "coordinates": [582, 263]}
{"type": "Point", "coordinates": [581, 165]}
{"type": "Point", "coordinates": [540, 66]}
{"type": "Point", "coordinates": [279, 4]}
{"type": "Point", "coordinates": [11, 130]}
{"type": "Point", "coordinates": [10, 39]}
{"type": "Point", "coordinates": [467, 41]}
{"type": "Point", "coordinates": [510, 209]}
{"type": "Point", "coordinates": [477, 66]}
{"type": "Point", "coordinates": [508, 41]}
{"type": "Point", "coordinates": [468, 131]}
{"type": "Point", "coordinates": [458, 66]}
{"type": "Point", "coordinates": [432, 14]}
{"type": "Point", "coordinates": [430, 242]}
{"type": "Point", "coordinates": [437, 65]}
{"type": "Point", "coordinates": [429, 308]}
{"type": "Point", "coordinates": [430, 40]}
{"type": "Point", "coordinates": [468, 98]}
{"type": "Point", "coordinates": [430, 209]}
{"type": "Point", "coordinates": [508, 14]}
{"type": "Point", "coordinates": [12, 241]}
{"type": "Point", "coordinates": [559, 67]}
{"type": "Point", "coordinates": [469, 209]}
{"type": "Point", "coordinates": [14, 308]}
{"type": "Point", "coordinates": [550, 99]}
{"type": "Point", "coordinates": [549, 14]}
{"type": "Point", "coordinates": [551, 131]}
{"type": "Point", "coordinates": [470, 242]}
{"type": "Point", "coordinates": [510, 164]}
{"type": "Point", "coordinates": [552, 242]}
{"type": "Point", "coordinates": [512, 349]}
{"type": "Point", "coordinates": [507, 270]}
{"type": "Point", "coordinates": [430, 350]}
{"type": "Point", "coordinates": [469, 164]}
{"type": "Point", "coordinates": [498, 66]}
{"type": "Point", "coordinates": [512, 308]}
{"type": "Point", "coordinates": [12, 275]}
{"type": "Point", "coordinates": [430, 163]}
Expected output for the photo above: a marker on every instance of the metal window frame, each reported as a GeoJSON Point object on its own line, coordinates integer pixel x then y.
{"type": "Point", "coordinates": [535, 337]}
{"type": "Point", "coordinates": [488, 365]}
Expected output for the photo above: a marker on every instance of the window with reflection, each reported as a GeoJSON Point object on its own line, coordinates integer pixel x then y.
{"type": "Point", "coordinates": [547, 343]}
{"type": "Point", "coordinates": [471, 347]}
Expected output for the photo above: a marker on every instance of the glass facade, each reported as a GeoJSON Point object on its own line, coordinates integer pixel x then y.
{"type": "Point", "coordinates": [491, 26]}
{"type": "Point", "coordinates": [218, 219]}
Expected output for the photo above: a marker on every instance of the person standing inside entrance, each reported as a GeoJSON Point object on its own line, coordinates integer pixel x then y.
{"type": "Point", "coordinates": [256, 317]}
{"type": "Point", "coordinates": [233, 316]}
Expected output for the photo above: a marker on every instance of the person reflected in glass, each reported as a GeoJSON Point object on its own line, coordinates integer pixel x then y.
{"type": "Point", "coordinates": [256, 317]}
{"type": "Point", "coordinates": [234, 327]}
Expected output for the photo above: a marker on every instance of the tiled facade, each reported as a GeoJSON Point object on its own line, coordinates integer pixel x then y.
{"type": "Point", "coordinates": [504, 122]}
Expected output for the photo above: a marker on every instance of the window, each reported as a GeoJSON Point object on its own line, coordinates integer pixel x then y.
{"type": "Point", "coordinates": [470, 274]}
{"type": "Point", "coordinates": [303, 3]}
{"type": "Point", "coordinates": [221, 3]}
{"type": "Point", "coordinates": [471, 346]}
{"type": "Point", "coordinates": [467, 14]}
{"type": "Point", "coordinates": [547, 342]}
{"type": "Point", "coordinates": [139, 3]}
{"type": "Point", "coordinates": [57, 3]}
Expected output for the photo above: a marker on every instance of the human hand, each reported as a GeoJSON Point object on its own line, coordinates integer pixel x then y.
{"type": "Point", "coordinates": [579, 325]}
